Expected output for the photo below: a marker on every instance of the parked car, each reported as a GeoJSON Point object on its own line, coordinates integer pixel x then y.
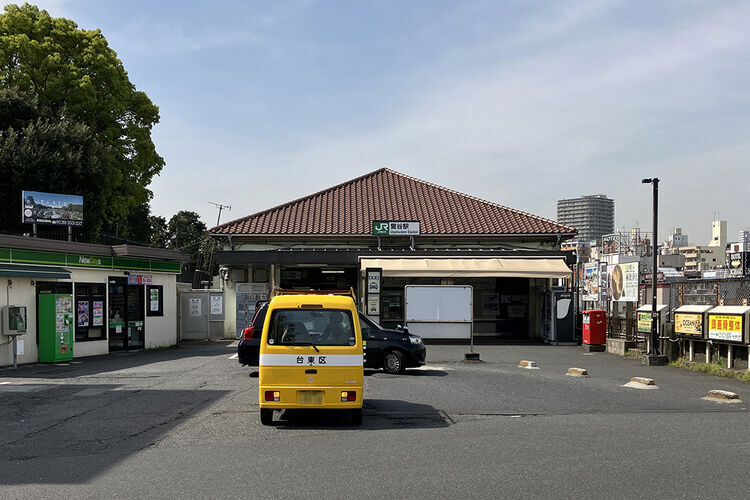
{"type": "Point", "coordinates": [391, 350]}
{"type": "Point", "coordinates": [248, 349]}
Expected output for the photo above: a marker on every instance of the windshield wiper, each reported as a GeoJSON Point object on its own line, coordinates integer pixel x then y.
{"type": "Point", "coordinates": [304, 344]}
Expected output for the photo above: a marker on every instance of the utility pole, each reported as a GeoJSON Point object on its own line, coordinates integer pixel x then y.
{"type": "Point", "coordinates": [653, 358]}
{"type": "Point", "coordinates": [220, 207]}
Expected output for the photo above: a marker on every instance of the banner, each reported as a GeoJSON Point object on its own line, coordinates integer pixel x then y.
{"type": "Point", "coordinates": [611, 244]}
{"type": "Point", "coordinates": [590, 282]}
{"type": "Point", "coordinates": [51, 208]}
{"type": "Point", "coordinates": [624, 282]}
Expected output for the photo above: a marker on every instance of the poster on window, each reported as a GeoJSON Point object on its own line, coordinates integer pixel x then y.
{"type": "Point", "coordinates": [153, 300]}
{"type": "Point", "coordinates": [83, 313]}
{"type": "Point", "coordinates": [490, 304]}
{"type": "Point", "coordinates": [97, 318]}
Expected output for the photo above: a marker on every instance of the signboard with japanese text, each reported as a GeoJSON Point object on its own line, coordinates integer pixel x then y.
{"type": "Point", "coordinates": [51, 208]}
{"type": "Point", "coordinates": [611, 244]}
{"type": "Point", "coordinates": [139, 279]}
{"type": "Point", "coordinates": [690, 324]}
{"type": "Point", "coordinates": [644, 322]}
{"type": "Point", "coordinates": [727, 327]}
{"type": "Point", "coordinates": [395, 228]}
{"type": "Point", "coordinates": [590, 281]}
{"type": "Point", "coordinates": [624, 282]}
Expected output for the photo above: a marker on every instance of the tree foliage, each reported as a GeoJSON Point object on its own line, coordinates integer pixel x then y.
{"type": "Point", "coordinates": [75, 75]}
{"type": "Point", "coordinates": [41, 151]}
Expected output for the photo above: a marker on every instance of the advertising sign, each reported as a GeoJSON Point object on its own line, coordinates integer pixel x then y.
{"type": "Point", "coordinates": [51, 208]}
{"type": "Point", "coordinates": [688, 324]}
{"type": "Point", "coordinates": [98, 316]}
{"type": "Point", "coordinates": [395, 228]}
{"type": "Point", "coordinates": [603, 280]}
{"type": "Point", "coordinates": [644, 322]}
{"type": "Point", "coordinates": [139, 279]}
{"type": "Point", "coordinates": [83, 313]}
{"type": "Point", "coordinates": [611, 244]}
{"type": "Point", "coordinates": [725, 327]}
{"type": "Point", "coordinates": [590, 281]}
{"type": "Point", "coordinates": [624, 282]}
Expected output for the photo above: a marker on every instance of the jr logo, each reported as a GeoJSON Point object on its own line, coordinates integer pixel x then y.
{"type": "Point", "coordinates": [380, 227]}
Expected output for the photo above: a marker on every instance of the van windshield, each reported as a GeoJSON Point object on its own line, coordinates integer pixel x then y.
{"type": "Point", "coordinates": [317, 327]}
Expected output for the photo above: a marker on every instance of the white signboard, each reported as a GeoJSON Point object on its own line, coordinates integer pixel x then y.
{"type": "Point", "coordinates": [195, 307]}
{"type": "Point", "coordinates": [217, 305]}
{"type": "Point", "coordinates": [373, 281]}
{"type": "Point", "coordinates": [624, 282]}
{"type": "Point", "coordinates": [373, 305]}
{"type": "Point", "coordinates": [396, 228]}
{"type": "Point", "coordinates": [440, 311]}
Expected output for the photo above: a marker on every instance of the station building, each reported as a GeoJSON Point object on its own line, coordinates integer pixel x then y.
{"type": "Point", "coordinates": [78, 299]}
{"type": "Point", "coordinates": [408, 232]}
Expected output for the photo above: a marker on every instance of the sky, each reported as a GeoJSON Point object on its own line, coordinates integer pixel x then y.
{"type": "Point", "coordinates": [517, 102]}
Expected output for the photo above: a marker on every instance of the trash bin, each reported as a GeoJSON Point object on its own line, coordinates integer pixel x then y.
{"type": "Point", "coordinates": [594, 327]}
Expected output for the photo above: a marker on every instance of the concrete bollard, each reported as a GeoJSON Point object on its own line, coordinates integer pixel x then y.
{"type": "Point", "coordinates": [720, 396]}
{"type": "Point", "coordinates": [529, 365]}
{"type": "Point", "coordinates": [578, 372]}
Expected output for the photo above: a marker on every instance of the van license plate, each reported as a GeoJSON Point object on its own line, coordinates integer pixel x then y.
{"type": "Point", "coordinates": [310, 397]}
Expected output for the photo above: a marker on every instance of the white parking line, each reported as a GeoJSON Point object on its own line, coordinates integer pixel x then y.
{"type": "Point", "coordinates": [233, 356]}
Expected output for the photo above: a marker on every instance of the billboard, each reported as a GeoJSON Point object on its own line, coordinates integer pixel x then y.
{"type": "Point", "coordinates": [51, 208]}
{"type": "Point", "coordinates": [690, 324]}
{"type": "Point", "coordinates": [611, 244]}
{"type": "Point", "coordinates": [624, 282]}
{"type": "Point", "coordinates": [590, 281]}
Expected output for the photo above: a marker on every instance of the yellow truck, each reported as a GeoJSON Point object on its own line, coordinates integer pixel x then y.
{"type": "Point", "coordinates": [311, 354]}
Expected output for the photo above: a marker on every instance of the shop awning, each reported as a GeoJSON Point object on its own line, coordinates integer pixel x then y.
{"type": "Point", "coordinates": [471, 268]}
{"type": "Point", "coordinates": [40, 272]}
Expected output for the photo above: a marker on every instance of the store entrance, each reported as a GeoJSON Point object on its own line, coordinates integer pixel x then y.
{"type": "Point", "coordinates": [126, 315]}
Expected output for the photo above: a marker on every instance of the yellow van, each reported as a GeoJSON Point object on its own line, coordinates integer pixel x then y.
{"type": "Point", "coordinates": [311, 354]}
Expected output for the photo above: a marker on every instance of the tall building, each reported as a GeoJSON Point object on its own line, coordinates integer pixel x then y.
{"type": "Point", "coordinates": [593, 216]}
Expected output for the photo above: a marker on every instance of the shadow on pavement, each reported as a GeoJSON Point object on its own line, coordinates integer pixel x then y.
{"type": "Point", "coordinates": [69, 434]}
{"type": "Point", "coordinates": [422, 372]}
{"type": "Point", "coordinates": [92, 365]}
{"type": "Point", "coordinates": [378, 414]}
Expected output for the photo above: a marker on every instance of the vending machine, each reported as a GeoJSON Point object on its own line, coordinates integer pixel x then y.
{"type": "Point", "coordinates": [55, 327]}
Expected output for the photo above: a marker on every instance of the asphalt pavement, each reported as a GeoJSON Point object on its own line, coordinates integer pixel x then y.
{"type": "Point", "coordinates": [184, 422]}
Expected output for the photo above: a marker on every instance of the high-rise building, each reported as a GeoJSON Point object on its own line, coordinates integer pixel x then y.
{"type": "Point", "coordinates": [593, 216]}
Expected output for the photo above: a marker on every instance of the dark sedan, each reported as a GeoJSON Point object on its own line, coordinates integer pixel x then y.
{"type": "Point", "coordinates": [391, 350]}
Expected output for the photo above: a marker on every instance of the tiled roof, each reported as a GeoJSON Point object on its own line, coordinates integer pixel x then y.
{"type": "Point", "coordinates": [351, 207]}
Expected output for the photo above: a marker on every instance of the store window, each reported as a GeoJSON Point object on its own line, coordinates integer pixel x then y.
{"type": "Point", "coordinates": [155, 297]}
{"type": "Point", "coordinates": [90, 303]}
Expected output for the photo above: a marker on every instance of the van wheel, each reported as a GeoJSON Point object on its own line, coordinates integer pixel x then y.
{"type": "Point", "coordinates": [393, 362]}
{"type": "Point", "coordinates": [266, 416]}
{"type": "Point", "coordinates": [357, 417]}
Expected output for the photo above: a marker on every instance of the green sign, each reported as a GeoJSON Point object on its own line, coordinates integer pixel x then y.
{"type": "Point", "coordinates": [89, 261]}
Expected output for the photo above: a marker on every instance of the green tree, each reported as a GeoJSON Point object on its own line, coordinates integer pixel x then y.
{"type": "Point", "coordinates": [186, 231]}
{"type": "Point", "coordinates": [74, 73]}
{"type": "Point", "coordinates": [41, 151]}
{"type": "Point", "coordinates": [159, 231]}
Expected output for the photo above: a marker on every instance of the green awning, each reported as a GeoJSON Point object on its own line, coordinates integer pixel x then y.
{"type": "Point", "coordinates": [21, 271]}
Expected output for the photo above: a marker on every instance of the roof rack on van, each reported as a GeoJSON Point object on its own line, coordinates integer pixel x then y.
{"type": "Point", "coordinates": [280, 291]}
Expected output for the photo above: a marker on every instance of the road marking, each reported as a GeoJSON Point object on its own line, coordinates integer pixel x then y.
{"type": "Point", "coordinates": [433, 367]}
{"type": "Point", "coordinates": [24, 387]}
{"type": "Point", "coordinates": [233, 356]}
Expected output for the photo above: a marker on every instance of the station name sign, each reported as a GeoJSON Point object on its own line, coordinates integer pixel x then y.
{"type": "Point", "coordinates": [395, 228]}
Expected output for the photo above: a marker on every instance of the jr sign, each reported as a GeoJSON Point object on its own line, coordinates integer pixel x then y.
{"type": "Point", "coordinates": [395, 228]}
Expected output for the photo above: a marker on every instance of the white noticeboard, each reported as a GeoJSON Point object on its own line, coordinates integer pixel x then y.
{"type": "Point", "coordinates": [439, 312]}
{"type": "Point", "coordinates": [195, 307]}
{"type": "Point", "coordinates": [217, 304]}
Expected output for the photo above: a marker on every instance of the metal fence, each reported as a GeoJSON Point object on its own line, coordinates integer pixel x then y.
{"type": "Point", "coordinates": [713, 292]}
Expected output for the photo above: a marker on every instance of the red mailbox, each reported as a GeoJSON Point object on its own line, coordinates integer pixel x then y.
{"type": "Point", "coordinates": [594, 327]}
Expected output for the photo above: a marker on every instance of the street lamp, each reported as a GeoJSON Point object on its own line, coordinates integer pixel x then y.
{"type": "Point", "coordinates": [653, 357]}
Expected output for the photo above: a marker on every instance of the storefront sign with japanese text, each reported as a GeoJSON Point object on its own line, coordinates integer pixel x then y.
{"type": "Point", "coordinates": [624, 282]}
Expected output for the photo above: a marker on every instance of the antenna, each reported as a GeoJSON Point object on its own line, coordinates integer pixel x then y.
{"type": "Point", "coordinates": [220, 207]}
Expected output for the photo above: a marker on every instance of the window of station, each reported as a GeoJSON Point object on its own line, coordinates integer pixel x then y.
{"type": "Point", "coordinates": [90, 304]}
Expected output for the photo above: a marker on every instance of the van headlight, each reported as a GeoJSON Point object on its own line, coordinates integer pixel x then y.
{"type": "Point", "coordinates": [414, 339]}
